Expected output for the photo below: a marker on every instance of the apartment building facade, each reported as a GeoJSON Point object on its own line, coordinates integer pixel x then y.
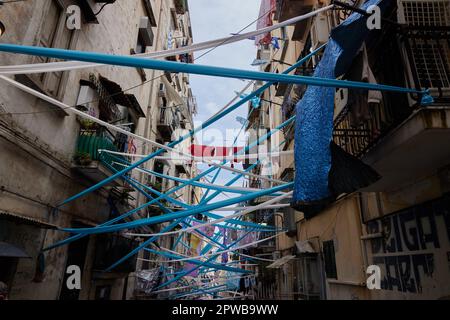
{"type": "Point", "coordinates": [49, 154]}
{"type": "Point", "coordinates": [400, 223]}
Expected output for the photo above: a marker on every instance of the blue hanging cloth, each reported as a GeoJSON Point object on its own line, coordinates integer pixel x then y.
{"type": "Point", "coordinates": [275, 43]}
{"type": "Point", "coordinates": [314, 124]}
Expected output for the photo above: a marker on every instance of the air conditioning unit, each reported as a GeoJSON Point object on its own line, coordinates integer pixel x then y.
{"type": "Point", "coordinates": [162, 90]}
{"type": "Point", "coordinates": [340, 101]}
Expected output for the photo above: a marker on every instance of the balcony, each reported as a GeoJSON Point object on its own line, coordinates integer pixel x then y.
{"type": "Point", "coordinates": [89, 162]}
{"type": "Point", "coordinates": [287, 9]}
{"type": "Point", "coordinates": [181, 6]}
{"type": "Point", "coordinates": [167, 123]}
{"type": "Point", "coordinates": [399, 138]}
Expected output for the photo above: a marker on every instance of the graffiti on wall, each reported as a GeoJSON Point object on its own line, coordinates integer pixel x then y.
{"type": "Point", "coordinates": [409, 243]}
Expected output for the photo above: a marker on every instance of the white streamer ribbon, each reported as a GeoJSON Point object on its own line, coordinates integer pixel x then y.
{"type": "Point", "coordinates": [74, 65]}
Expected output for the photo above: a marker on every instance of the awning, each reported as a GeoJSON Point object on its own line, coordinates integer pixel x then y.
{"type": "Point", "coordinates": [26, 220]}
{"type": "Point", "coordinates": [11, 251]}
{"type": "Point", "coordinates": [280, 262]}
{"type": "Point", "coordinates": [126, 100]}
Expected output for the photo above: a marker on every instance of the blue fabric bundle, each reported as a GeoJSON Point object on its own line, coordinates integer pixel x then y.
{"type": "Point", "coordinates": [314, 124]}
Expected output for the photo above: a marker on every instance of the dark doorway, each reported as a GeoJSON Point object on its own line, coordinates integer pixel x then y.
{"type": "Point", "coordinates": [76, 255]}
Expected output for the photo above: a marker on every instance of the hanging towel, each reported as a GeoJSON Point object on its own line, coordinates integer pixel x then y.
{"type": "Point", "coordinates": [314, 122]}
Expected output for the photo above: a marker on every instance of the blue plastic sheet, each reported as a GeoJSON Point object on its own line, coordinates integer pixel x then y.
{"type": "Point", "coordinates": [314, 125]}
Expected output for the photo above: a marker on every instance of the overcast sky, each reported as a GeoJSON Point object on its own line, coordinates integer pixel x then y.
{"type": "Point", "coordinates": [212, 19]}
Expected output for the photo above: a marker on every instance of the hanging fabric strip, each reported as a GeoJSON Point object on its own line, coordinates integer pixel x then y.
{"type": "Point", "coordinates": [170, 66]}
{"type": "Point", "coordinates": [265, 20]}
{"type": "Point", "coordinates": [314, 124]}
{"type": "Point", "coordinates": [73, 65]}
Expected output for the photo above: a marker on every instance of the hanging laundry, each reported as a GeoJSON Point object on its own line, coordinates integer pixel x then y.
{"type": "Point", "coordinates": [275, 43]}
{"type": "Point", "coordinates": [360, 101]}
{"type": "Point", "coordinates": [314, 122]}
{"type": "Point", "coordinates": [256, 101]}
{"type": "Point", "coordinates": [186, 58]}
{"type": "Point", "coordinates": [131, 146]}
{"type": "Point", "coordinates": [266, 11]}
{"type": "Point", "coordinates": [121, 142]}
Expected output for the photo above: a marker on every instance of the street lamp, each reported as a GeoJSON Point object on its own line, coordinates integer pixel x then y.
{"type": "Point", "coordinates": [2, 29]}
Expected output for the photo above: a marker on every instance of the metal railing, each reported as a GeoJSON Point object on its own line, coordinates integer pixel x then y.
{"type": "Point", "coordinates": [168, 118]}
{"type": "Point", "coordinates": [88, 145]}
{"type": "Point", "coordinates": [428, 53]}
{"type": "Point", "coordinates": [425, 57]}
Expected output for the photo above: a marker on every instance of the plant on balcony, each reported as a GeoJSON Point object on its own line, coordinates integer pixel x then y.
{"type": "Point", "coordinates": [86, 124]}
{"type": "Point", "coordinates": [82, 158]}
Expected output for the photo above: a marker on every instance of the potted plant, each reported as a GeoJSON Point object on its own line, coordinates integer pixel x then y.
{"type": "Point", "coordinates": [82, 158]}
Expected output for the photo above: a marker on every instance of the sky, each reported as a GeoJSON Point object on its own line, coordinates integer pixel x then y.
{"type": "Point", "coordinates": [212, 19]}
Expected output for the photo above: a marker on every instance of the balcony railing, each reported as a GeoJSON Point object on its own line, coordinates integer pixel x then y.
{"type": "Point", "coordinates": [88, 146]}
{"type": "Point", "coordinates": [168, 122]}
{"type": "Point", "coordinates": [425, 56]}
{"type": "Point", "coordinates": [428, 52]}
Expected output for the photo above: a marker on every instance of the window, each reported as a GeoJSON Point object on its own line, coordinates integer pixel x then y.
{"type": "Point", "coordinates": [432, 61]}
{"type": "Point", "coordinates": [430, 53]}
{"type": "Point", "coordinates": [140, 45]}
{"type": "Point", "coordinates": [145, 35]}
{"type": "Point", "coordinates": [424, 12]}
{"type": "Point", "coordinates": [330, 259]}
{"type": "Point", "coordinates": [53, 33]}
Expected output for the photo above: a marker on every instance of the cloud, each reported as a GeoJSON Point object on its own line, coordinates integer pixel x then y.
{"type": "Point", "coordinates": [213, 19]}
